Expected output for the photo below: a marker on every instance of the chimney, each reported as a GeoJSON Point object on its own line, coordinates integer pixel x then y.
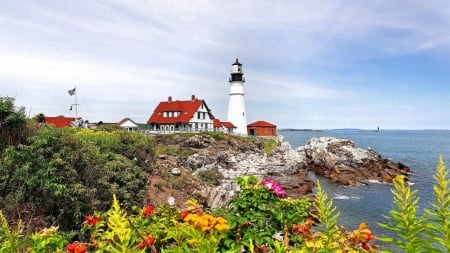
{"type": "Point", "coordinates": [170, 99]}
{"type": "Point", "coordinates": [193, 97]}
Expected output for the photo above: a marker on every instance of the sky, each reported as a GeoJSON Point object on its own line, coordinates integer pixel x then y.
{"type": "Point", "coordinates": [307, 64]}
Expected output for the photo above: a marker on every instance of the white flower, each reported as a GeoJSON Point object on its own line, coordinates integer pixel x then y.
{"type": "Point", "coordinates": [171, 200]}
{"type": "Point", "coordinates": [278, 236]}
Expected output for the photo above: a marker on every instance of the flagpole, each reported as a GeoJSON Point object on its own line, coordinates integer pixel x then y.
{"type": "Point", "coordinates": [76, 104]}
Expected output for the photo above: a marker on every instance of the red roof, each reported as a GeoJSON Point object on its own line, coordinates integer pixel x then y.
{"type": "Point", "coordinates": [261, 124]}
{"type": "Point", "coordinates": [218, 123]}
{"type": "Point", "coordinates": [185, 108]}
{"type": "Point", "coordinates": [228, 124]}
{"type": "Point", "coordinates": [59, 122]}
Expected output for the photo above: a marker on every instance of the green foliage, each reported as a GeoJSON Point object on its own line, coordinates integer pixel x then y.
{"type": "Point", "coordinates": [118, 235]}
{"type": "Point", "coordinates": [438, 217]}
{"type": "Point", "coordinates": [12, 123]}
{"type": "Point", "coordinates": [218, 136]}
{"type": "Point", "coordinates": [327, 215]}
{"type": "Point", "coordinates": [48, 240]}
{"type": "Point", "coordinates": [269, 146]}
{"type": "Point", "coordinates": [210, 176]}
{"type": "Point", "coordinates": [403, 220]}
{"type": "Point", "coordinates": [10, 241]}
{"type": "Point", "coordinates": [256, 214]}
{"type": "Point", "coordinates": [62, 174]}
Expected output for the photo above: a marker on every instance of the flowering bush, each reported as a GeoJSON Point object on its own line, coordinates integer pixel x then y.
{"type": "Point", "coordinates": [258, 219]}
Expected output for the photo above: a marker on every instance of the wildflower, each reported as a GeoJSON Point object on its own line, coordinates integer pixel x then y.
{"type": "Point", "coordinates": [184, 214]}
{"type": "Point", "coordinates": [148, 241]}
{"type": "Point", "coordinates": [76, 247]}
{"type": "Point", "coordinates": [192, 241]}
{"type": "Point", "coordinates": [278, 236]}
{"type": "Point", "coordinates": [303, 228]}
{"type": "Point", "coordinates": [171, 200]}
{"type": "Point", "coordinates": [148, 210]}
{"type": "Point", "coordinates": [71, 247]}
{"type": "Point", "coordinates": [268, 183]}
{"type": "Point", "coordinates": [272, 185]}
{"type": "Point", "coordinates": [91, 220]}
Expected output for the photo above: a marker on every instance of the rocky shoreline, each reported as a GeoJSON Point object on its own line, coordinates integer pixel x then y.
{"type": "Point", "coordinates": [339, 160]}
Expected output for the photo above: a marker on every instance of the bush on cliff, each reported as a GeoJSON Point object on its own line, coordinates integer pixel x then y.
{"type": "Point", "coordinates": [64, 174]}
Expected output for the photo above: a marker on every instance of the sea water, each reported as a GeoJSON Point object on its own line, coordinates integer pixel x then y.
{"type": "Point", "coordinates": [418, 149]}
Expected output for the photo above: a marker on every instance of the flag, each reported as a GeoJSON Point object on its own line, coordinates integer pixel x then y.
{"type": "Point", "coordinates": [72, 92]}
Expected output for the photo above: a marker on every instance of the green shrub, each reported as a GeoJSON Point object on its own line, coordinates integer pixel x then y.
{"type": "Point", "coordinates": [210, 176]}
{"type": "Point", "coordinates": [269, 146]}
{"type": "Point", "coordinates": [62, 174]}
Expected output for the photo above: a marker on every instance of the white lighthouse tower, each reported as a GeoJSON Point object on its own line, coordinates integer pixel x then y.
{"type": "Point", "coordinates": [236, 104]}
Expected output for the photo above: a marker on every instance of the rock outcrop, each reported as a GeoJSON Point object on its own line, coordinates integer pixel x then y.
{"type": "Point", "coordinates": [240, 159]}
{"type": "Point", "coordinates": [342, 162]}
{"type": "Point", "coordinates": [337, 159]}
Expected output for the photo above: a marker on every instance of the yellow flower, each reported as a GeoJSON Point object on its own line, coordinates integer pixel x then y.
{"type": "Point", "coordinates": [222, 227]}
{"type": "Point", "coordinates": [192, 241]}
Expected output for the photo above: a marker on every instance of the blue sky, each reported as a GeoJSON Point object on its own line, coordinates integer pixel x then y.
{"type": "Point", "coordinates": [307, 64]}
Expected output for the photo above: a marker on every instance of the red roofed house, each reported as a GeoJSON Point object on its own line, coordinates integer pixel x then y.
{"type": "Point", "coordinates": [225, 127]}
{"type": "Point", "coordinates": [181, 116]}
{"type": "Point", "coordinates": [261, 128]}
{"type": "Point", "coordinates": [60, 121]}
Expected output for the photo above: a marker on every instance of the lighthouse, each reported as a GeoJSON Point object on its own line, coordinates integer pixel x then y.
{"type": "Point", "coordinates": [236, 103]}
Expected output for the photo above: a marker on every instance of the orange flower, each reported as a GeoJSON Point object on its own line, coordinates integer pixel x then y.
{"type": "Point", "coordinates": [303, 228]}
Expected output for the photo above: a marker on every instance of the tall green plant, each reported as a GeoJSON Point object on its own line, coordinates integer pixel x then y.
{"type": "Point", "coordinates": [438, 217]}
{"type": "Point", "coordinates": [10, 241]}
{"type": "Point", "coordinates": [403, 219]}
{"type": "Point", "coordinates": [327, 215]}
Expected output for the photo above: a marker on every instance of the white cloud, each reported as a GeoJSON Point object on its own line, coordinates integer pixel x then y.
{"type": "Point", "coordinates": [122, 54]}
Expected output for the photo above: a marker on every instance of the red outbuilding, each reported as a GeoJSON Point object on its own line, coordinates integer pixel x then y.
{"type": "Point", "coordinates": [261, 128]}
{"type": "Point", "coordinates": [59, 121]}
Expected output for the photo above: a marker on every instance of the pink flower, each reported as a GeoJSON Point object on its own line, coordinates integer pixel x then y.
{"type": "Point", "coordinates": [272, 185]}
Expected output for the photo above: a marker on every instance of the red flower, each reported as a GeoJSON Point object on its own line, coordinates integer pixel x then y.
{"type": "Point", "coordinates": [81, 248]}
{"type": "Point", "coordinates": [91, 220]}
{"type": "Point", "coordinates": [76, 247]}
{"type": "Point", "coordinates": [368, 237]}
{"type": "Point", "coordinates": [148, 210]}
{"type": "Point", "coordinates": [149, 241]}
{"type": "Point", "coordinates": [71, 246]}
{"type": "Point", "coordinates": [184, 214]}
{"type": "Point", "coordinates": [142, 245]}
{"type": "Point", "coordinates": [365, 246]}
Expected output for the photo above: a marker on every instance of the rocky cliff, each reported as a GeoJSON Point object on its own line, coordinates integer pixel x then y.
{"type": "Point", "coordinates": [339, 160]}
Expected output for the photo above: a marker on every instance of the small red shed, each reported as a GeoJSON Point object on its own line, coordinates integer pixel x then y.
{"type": "Point", "coordinates": [59, 121]}
{"type": "Point", "coordinates": [261, 128]}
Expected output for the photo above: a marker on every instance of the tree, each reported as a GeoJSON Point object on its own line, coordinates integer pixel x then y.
{"type": "Point", "coordinates": [12, 123]}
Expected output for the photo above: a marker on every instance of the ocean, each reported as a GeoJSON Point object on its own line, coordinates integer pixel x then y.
{"type": "Point", "coordinates": [418, 149]}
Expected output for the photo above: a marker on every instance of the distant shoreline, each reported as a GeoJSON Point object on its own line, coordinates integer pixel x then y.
{"type": "Point", "coordinates": [352, 129]}
{"type": "Point", "coordinates": [299, 130]}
